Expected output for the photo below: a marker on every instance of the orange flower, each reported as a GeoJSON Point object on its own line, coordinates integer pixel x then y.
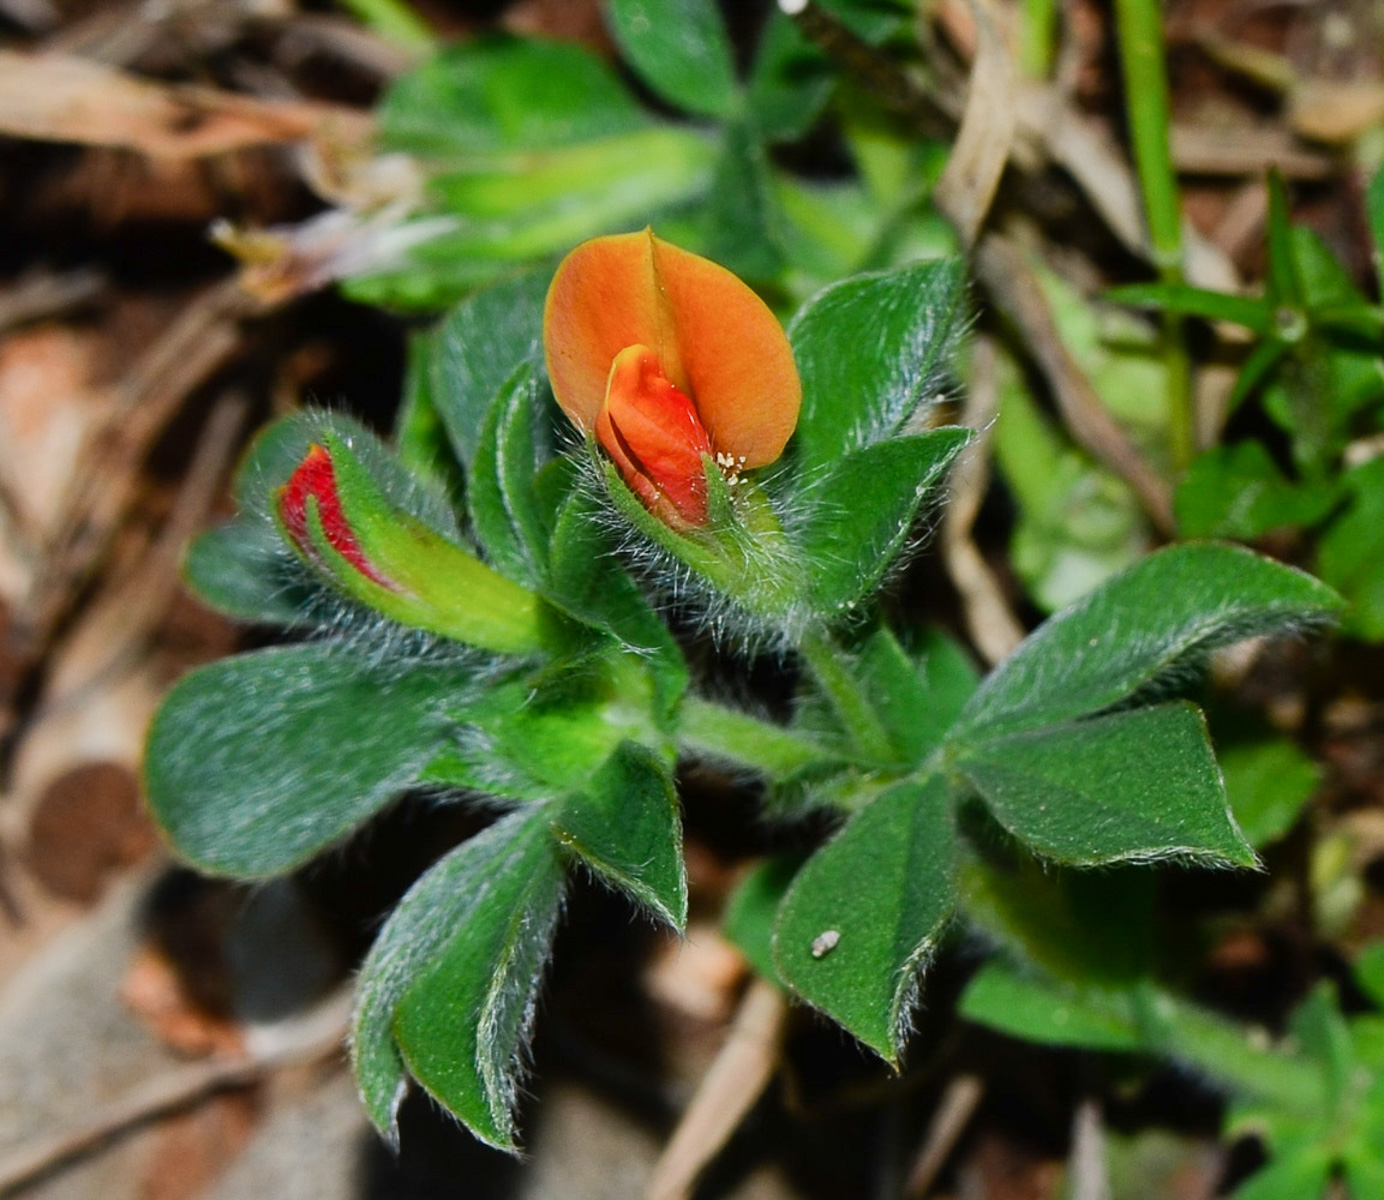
{"type": "Point", "coordinates": [667, 357]}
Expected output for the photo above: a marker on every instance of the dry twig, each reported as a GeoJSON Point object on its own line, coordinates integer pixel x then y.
{"type": "Point", "coordinates": [1087, 1175]}
{"type": "Point", "coordinates": [1014, 289]}
{"type": "Point", "coordinates": [954, 1112]}
{"type": "Point", "coordinates": [311, 1037]}
{"type": "Point", "coordinates": [993, 627]}
{"type": "Point", "coordinates": [43, 294]}
{"type": "Point", "coordinates": [56, 98]}
{"type": "Point", "coordinates": [726, 1093]}
{"type": "Point", "coordinates": [196, 345]}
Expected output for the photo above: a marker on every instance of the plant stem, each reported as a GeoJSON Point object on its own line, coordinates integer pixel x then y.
{"type": "Point", "coordinates": [395, 21]}
{"type": "Point", "coordinates": [1139, 29]}
{"type": "Point", "coordinates": [827, 662]}
{"type": "Point", "coordinates": [1039, 26]}
{"type": "Point", "coordinates": [711, 729]}
{"type": "Point", "coordinates": [1224, 1051]}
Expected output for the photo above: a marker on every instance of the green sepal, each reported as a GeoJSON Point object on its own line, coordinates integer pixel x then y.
{"type": "Point", "coordinates": [742, 552]}
{"type": "Point", "coordinates": [863, 512]}
{"type": "Point", "coordinates": [866, 912]}
{"type": "Point", "coordinates": [431, 583]}
{"type": "Point", "coordinates": [624, 825]}
{"type": "Point", "coordinates": [244, 568]}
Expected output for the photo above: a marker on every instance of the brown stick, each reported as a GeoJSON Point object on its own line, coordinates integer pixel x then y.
{"type": "Point", "coordinates": [1014, 289]}
{"type": "Point", "coordinates": [726, 1093]}
{"type": "Point", "coordinates": [993, 627]}
{"type": "Point", "coordinates": [312, 1037]}
{"type": "Point", "coordinates": [986, 134]}
{"type": "Point", "coordinates": [954, 1111]}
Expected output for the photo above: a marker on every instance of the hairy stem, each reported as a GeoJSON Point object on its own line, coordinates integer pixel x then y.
{"type": "Point", "coordinates": [710, 729]}
{"type": "Point", "coordinates": [1223, 1050]}
{"type": "Point", "coordinates": [829, 668]}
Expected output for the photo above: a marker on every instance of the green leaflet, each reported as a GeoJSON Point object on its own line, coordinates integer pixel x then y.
{"type": "Point", "coordinates": [1157, 617]}
{"type": "Point", "coordinates": [753, 907]}
{"type": "Point", "coordinates": [863, 511]}
{"type": "Point", "coordinates": [1351, 553]}
{"type": "Point", "coordinates": [479, 345]}
{"type": "Point", "coordinates": [257, 763]}
{"type": "Point", "coordinates": [854, 948]}
{"type": "Point", "coordinates": [586, 580]}
{"type": "Point", "coordinates": [871, 349]}
{"type": "Point", "coordinates": [742, 214]}
{"type": "Point", "coordinates": [447, 992]}
{"type": "Point", "coordinates": [1238, 491]}
{"type": "Point", "coordinates": [790, 82]}
{"type": "Point", "coordinates": [503, 495]}
{"type": "Point", "coordinates": [680, 49]}
{"type": "Point", "coordinates": [1039, 1011]}
{"type": "Point", "coordinates": [624, 825]}
{"type": "Point", "coordinates": [1139, 784]}
{"type": "Point", "coordinates": [499, 95]}
{"type": "Point", "coordinates": [1268, 780]}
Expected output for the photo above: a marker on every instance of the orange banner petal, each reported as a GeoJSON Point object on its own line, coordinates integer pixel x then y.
{"type": "Point", "coordinates": [603, 299]}
{"type": "Point", "coordinates": [735, 356]}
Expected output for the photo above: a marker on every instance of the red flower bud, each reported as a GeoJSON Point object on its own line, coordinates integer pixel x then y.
{"type": "Point", "coordinates": [315, 477]}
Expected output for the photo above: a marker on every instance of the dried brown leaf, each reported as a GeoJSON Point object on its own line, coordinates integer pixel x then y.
{"type": "Point", "coordinates": [56, 98]}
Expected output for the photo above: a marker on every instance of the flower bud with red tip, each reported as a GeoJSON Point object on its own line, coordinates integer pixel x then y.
{"type": "Point", "coordinates": [337, 520]}
{"type": "Point", "coordinates": [316, 478]}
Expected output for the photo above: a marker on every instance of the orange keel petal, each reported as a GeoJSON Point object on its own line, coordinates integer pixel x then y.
{"type": "Point", "coordinates": [652, 431]}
